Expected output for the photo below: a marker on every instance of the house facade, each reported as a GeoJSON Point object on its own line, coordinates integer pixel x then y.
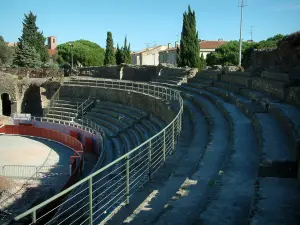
{"type": "Point", "coordinates": [148, 56]}
{"type": "Point", "coordinates": [170, 54]}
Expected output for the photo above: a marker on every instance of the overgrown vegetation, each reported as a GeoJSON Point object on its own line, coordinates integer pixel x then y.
{"type": "Point", "coordinates": [228, 54]}
{"type": "Point", "coordinates": [6, 53]}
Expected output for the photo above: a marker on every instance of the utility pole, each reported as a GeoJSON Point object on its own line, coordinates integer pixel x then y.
{"type": "Point", "coordinates": [242, 5]}
{"type": "Point", "coordinates": [251, 32]}
{"type": "Point", "coordinates": [71, 54]}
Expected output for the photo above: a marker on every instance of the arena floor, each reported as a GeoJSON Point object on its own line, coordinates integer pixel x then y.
{"type": "Point", "coordinates": [18, 154]}
{"type": "Point", "coordinates": [20, 150]}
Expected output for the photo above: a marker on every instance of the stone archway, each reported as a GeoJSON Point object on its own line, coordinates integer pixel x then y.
{"type": "Point", "coordinates": [31, 102]}
{"type": "Point", "coordinates": [6, 104]}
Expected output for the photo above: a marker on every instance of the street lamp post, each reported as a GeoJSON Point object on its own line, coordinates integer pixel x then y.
{"type": "Point", "coordinates": [71, 55]}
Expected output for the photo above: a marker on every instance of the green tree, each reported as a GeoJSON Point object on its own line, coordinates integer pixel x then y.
{"type": "Point", "coordinates": [33, 37]}
{"type": "Point", "coordinates": [189, 52]}
{"type": "Point", "coordinates": [126, 57]}
{"type": "Point", "coordinates": [27, 56]}
{"type": "Point", "coordinates": [84, 52]}
{"type": "Point", "coordinates": [118, 55]}
{"type": "Point", "coordinates": [110, 58]}
{"type": "Point", "coordinates": [202, 65]}
{"type": "Point", "coordinates": [6, 53]}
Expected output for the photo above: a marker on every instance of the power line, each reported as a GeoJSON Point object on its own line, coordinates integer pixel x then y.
{"type": "Point", "coordinates": [242, 4]}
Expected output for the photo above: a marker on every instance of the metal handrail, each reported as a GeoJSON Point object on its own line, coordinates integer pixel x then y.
{"type": "Point", "coordinates": [155, 149]}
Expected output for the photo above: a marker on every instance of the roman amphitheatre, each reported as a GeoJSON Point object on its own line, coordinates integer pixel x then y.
{"type": "Point", "coordinates": [159, 144]}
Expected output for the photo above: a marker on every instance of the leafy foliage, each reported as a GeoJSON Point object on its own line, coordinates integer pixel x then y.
{"type": "Point", "coordinates": [189, 52]}
{"type": "Point", "coordinates": [85, 52]}
{"type": "Point", "coordinates": [6, 53]}
{"type": "Point", "coordinates": [110, 58]}
{"type": "Point", "coordinates": [26, 56]}
{"type": "Point", "coordinates": [32, 37]}
{"type": "Point", "coordinates": [228, 54]}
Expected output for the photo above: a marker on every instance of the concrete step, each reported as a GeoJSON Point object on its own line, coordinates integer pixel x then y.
{"type": "Point", "coordinates": [232, 202]}
{"type": "Point", "coordinates": [277, 202]}
{"type": "Point", "coordinates": [62, 112]}
{"type": "Point", "coordinates": [118, 115]}
{"type": "Point", "coordinates": [277, 158]}
{"type": "Point", "coordinates": [117, 122]}
{"type": "Point", "coordinates": [59, 117]}
{"type": "Point", "coordinates": [103, 123]}
{"type": "Point", "coordinates": [122, 106]}
{"type": "Point", "coordinates": [195, 191]}
{"type": "Point", "coordinates": [65, 109]}
{"type": "Point", "coordinates": [166, 182]}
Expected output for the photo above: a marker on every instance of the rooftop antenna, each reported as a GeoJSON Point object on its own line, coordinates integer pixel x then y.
{"type": "Point", "coordinates": [147, 45]}
{"type": "Point", "coordinates": [242, 4]}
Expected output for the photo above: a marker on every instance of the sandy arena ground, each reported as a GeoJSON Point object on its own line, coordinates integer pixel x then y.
{"type": "Point", "coordinates": [18, 150]}
{"type": "Point", "coordinates": [17, 195]}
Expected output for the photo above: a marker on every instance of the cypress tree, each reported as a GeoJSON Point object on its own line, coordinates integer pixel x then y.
{"type": "Point", "coordinates": [126, 57]}
{"type": "Point", "coordinates": [118, 55]}
{"type": "Point", "coordinates": [110, 58]}
{"type": "Point", "coordinates": [189, 52]}
{"type": "Point", "coordinates": [32, 37]}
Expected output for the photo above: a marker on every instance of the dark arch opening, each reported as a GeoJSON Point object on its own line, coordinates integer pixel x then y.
{"type": "Point", "coordinates": [6, 104]}
{"type": "Point", "coordinates": [32, 102]}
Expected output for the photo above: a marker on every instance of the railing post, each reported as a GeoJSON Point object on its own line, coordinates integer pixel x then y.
{"type": "Point", "coordinates": [33, 217]}
{"type": "Point", "coordinates": [127, 180]}
{"type": "Point", "coordinates": [150, 159]}
{"type": "Point", "coordinates": [91, 200]}
{"type": "Point", "coordinates": [173, 136]}
{"type": "Point", "coordinates": [164, 146]}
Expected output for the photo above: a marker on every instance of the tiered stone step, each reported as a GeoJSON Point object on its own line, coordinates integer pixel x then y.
{"type": "Point", "coordinates": [64, 109]}
{"type": "Point", "coordinates": [183, 163]}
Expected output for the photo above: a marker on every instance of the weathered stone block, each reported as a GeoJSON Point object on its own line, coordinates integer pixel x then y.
{"type": "Point", "coordinates": [274, 88]}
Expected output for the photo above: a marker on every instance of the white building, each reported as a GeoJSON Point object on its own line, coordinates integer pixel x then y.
{"type": "Point", "coordinates": [169, 55]}
{"type": "Point", "coordinates": [148, 56]}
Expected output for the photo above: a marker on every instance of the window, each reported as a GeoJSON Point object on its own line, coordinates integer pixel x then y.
{"type": "Point", "coordinates": [53, 40]}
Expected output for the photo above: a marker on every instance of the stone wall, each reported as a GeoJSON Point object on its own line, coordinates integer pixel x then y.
{"type": "Point", "coordinates": [284, 59]}
{"type": "Point", "coordinates": [26, 92]}
{"type": "Point", "coordinates": [34, 72]}
{"type": "Point", "coordinates": [142, 73]}
{"type": "Point", "coordinates": [109, 72]}
{"type": "Point", "coordinates": [138, 73]}
{"type": "Point", "coordinates": [145, 102]}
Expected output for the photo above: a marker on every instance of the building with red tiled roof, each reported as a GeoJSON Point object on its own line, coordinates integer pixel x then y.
{"type": "Point", "coordinates": [169, 55]}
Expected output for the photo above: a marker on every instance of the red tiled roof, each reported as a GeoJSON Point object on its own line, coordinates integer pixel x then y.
{"type": "Point", "coordinates": [51, 52]}
{"type": "Point", "coordinates": [211, 44]}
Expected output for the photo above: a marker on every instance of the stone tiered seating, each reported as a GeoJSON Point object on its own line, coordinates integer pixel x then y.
{"type": "Point", "coordinates": [64, 109]}
{"type": "Point", "coordinates": [236, 162]}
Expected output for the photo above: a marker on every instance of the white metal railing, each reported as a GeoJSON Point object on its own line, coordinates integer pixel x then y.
{"type": "Point", "coordinates": [86, 125]}
{"type": "Point", "coordinates": [97, 196]}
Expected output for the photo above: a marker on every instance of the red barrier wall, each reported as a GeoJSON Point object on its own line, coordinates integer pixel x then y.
{"type": "Point", "coordinates": [88, 144]}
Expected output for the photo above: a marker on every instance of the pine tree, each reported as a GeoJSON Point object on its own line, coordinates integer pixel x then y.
{"type": "Point", "coordinates": [118, 55]}
{"type": "Point", "coordinates": [189, 53]}
{"type": "Point", "coordinates": [110, 58]}
{"type": "Point", "coordinates": [33, 37]}
{"type": "Point", "coordinates": [26, 56]}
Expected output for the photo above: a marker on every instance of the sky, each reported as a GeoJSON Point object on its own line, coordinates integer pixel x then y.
{"type": "Point", "coordinates": [153, 22]}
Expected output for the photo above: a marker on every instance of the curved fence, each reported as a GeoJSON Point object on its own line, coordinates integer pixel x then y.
{"type": "Point", "coordinates": [100, 194]}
